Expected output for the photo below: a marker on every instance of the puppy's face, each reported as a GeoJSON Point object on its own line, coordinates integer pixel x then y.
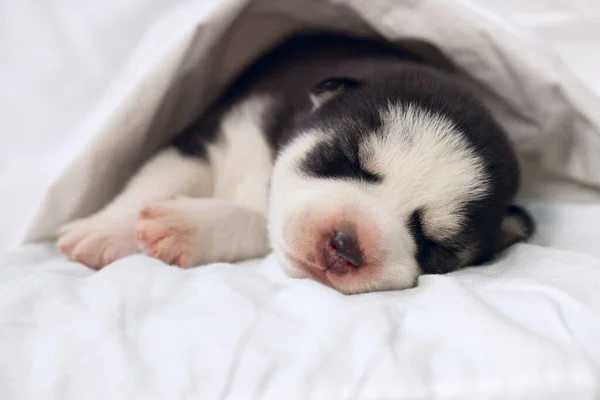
{"type": "Point", "coordinates": [377, 190]}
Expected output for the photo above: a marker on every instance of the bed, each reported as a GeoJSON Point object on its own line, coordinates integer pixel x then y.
{"type": "Point", "coordinates": [524, 326]}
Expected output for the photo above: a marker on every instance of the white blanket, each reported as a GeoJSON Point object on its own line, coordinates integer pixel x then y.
{"type": "Point", "coordinates": [527, 326]}
{"type": "Point", "coordinates": [194, 52]}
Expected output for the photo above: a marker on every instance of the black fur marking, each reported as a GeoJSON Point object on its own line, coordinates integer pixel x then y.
{"type": "Point", "coordinates": [192, 140]}
{"type": "Point", "coordinates": [330, 160]}
{"type": "Point", "coordinates": [287, 73]}
{"type": "Point", "coordinates": [337, 156]}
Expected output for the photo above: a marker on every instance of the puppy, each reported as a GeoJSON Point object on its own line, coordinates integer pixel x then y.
{"type": "Point", "coordinates": [358, 165]}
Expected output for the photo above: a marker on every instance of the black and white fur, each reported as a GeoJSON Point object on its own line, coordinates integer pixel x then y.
{"type": "Point", "coordinates": [358, 165]}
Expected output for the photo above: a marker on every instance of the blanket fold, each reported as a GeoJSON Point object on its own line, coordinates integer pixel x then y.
{"type": "Point", "coordinates": [186, 60]}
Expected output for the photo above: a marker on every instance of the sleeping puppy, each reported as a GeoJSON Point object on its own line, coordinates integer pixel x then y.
{"type": "Point", "coordinates": [359, 166]}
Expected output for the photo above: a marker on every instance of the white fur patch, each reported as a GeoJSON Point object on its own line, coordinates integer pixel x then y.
{"type": "Point", "coordinates": [242, 159]}
{"type": "Point", "coordinates": [168, 173]}
{"type": "Point", "coordinates": [426, 163]}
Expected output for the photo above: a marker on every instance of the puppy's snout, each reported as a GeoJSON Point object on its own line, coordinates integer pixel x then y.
{"type": "Point", "coordinates": [343, 251]}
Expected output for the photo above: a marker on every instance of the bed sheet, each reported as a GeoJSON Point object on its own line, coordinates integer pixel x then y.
{"type": "Point", "coordinates": [526, 327]}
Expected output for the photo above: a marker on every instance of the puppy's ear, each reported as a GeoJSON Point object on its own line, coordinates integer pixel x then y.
{"type": "Point", "coordinates": [517, 226]}
{"type": "Point", "coordinates": [329, 88]}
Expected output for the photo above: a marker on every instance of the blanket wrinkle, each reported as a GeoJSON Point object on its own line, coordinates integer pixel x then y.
{"type": "Point", "coordinates": [523, 328]}
{"type": "Point", "coordinates": [292, 343]}
{"type": "Point", "coordinates": [370, 367]}
{"type": "Point", "coordinates": [585, 351]}
{"type": "Point", "coordinates": [234, 364]}
{"type": "Point", "coordinates": [517, 74]}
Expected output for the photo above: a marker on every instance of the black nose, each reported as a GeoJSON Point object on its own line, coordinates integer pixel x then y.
{"type": "Point", "coordinates": [346, 246]}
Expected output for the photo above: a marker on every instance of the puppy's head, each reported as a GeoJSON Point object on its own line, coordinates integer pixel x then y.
{"type": "Point", "coordinates": [391, 177]}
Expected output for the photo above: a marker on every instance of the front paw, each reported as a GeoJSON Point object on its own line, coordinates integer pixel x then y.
{"type": "Point", "coordinates": [163, 233]}
{"type": "Point", "coordinates": [187, 232]}
{"type": "Point", "coordinates": [98, 240]}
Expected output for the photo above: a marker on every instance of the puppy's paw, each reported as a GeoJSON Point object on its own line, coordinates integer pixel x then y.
{"type": "Point", "coordinates": [188, 232]}
{"type": "Point", "coordinates": [98, 240]}
{"type": "Point", "coordinates": [164, 232]}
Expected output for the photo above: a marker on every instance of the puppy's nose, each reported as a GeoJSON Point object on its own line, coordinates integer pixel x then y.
{"type": "Point", "coordinates": [345, 244]}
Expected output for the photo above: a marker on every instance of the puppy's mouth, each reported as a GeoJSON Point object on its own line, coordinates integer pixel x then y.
{"type": "Point", "coordinates": [339, 250]}
{"type": "Point", "coordinates": [336, 261]}
{"type": "Point", "coordinates": [314, 271]}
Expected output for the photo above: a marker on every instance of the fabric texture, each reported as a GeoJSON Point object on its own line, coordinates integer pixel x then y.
{"type": "Point", "coordinates": [189, 57]}
{"type": "Point", "coordinates": [525, 327]}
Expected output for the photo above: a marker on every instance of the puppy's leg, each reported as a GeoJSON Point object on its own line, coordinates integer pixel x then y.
{"type": "Point", "coordinates": [232, 225]}
{"type": "Point", "coordinates": [109, 234]}
{"type": "Point", "coordinates": [187, 231]}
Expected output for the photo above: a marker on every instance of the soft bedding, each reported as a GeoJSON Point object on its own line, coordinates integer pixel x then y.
{"type": "Point", "coordinates": [526, 326]}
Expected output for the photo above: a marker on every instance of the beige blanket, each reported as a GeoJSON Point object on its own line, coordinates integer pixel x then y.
{"type": "Point", "coordinates": [188, 59]}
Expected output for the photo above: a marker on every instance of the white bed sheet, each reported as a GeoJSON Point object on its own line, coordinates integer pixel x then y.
{"type": "Point", "coordinates": [526, 327]}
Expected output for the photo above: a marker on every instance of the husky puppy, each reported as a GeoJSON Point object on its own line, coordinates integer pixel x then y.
{"type": "Point", "coordinates": [358, 165]}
